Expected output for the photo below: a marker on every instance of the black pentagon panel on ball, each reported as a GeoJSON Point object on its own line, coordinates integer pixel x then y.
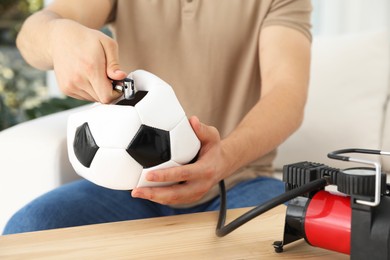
{"type": "Point", "coordinates": [150, 146]}
{"type": "Point", "coordinates": [139, 95]}
{"type": "Point", "coordinates": [84, 145]}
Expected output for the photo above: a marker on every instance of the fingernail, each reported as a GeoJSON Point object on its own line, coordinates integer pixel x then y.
{"type": "Point", "coordinates": [119, 72]}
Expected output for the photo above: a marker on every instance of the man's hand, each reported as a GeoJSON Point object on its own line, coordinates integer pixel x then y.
{"type": "Point", "coordinates": [65, 37]}
{"type": "Point", "coordinates": [83, 59]}
{"type": "Point", "coordinates": [195, 179]}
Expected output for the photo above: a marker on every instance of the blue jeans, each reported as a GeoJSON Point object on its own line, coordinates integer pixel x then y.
{"type": "Point", "coordinates": [82, 203]}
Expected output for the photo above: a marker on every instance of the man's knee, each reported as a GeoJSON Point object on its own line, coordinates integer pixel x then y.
{"type": "Point", "coordinates": [26, 219]}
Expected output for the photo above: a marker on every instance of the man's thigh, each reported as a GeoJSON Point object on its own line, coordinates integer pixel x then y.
{"type": "Point", "coordinates": [79, 203]}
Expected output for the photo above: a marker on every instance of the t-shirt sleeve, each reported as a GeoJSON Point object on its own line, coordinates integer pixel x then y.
{"type": "Point", "coordinates": [295, 14]}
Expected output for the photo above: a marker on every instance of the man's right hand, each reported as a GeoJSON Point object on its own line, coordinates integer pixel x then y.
{"type": "Point", "coordinates": [83, 60]}
{"type": "Point", "coordinates": [65, 37]}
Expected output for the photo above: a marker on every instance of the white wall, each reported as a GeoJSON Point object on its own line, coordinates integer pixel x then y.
{"type": "Point", "coordinates": [333, 17]}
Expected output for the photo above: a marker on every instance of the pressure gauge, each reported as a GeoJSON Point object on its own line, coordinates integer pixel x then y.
{"type": "Point", "coordinates": [362, 182]}
{"type": "Point", "coordinates": [359, 182]}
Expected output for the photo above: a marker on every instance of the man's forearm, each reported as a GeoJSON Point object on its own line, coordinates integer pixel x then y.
{"type": "Point", "coordinates": [33, 40]}
{"type": "Point", "coordinates": [265, 127]}
{"type": "Point", "coordinates": [284, 56]}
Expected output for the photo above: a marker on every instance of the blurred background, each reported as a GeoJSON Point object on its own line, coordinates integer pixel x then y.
{"type": "Point", "coordinates": [21, 87]}
{"type": "Point", "coordinates": [27, 93]}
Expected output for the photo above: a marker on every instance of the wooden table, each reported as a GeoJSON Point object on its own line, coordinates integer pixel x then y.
{"type": "Point", "coordinates": [178, 237]}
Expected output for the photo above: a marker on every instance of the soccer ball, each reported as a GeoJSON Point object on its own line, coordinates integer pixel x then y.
{"type": "Point", "coordinates": [116, 145]}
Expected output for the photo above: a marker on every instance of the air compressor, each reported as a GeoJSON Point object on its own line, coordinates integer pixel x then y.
{"type": "Point", "coordinates": [354, 220]}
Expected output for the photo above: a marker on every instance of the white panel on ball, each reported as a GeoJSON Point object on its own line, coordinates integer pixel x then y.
{"type": "Point", "coordinates": [184, 143]}
{"type": "Point", "coordinates": [114, 169]}
{"type": "Point", "coordinates": [144, 183]}
{"type": "Point", "coordinates": [113, 126]}
{"type": "Point", "coordinates": [166, 111]}
{"type": "Point", "coordinates": [145, 80]}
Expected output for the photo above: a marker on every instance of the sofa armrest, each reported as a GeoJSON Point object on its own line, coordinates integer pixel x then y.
{"type": "Point", "coordinates": [34, 160]}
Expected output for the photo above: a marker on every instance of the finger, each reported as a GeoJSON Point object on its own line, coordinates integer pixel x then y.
{"type": "Point", "coordinates": [84, 96]}
{"type": "Point", "coordinates": [196, 125]}
{"type": "Point", "coordinates": [202, 131]}
{"type": "Point", "coordinates": [102, 86]}
{"type": "Point", "coordinates": [83, 84]}
{"type": "Point", "coordinates": [98, 80]}
{"type": "Point", "coordinates": [107, 69]}
{"type": "Point", "coordinates": [174, 174]}
{"type": "Point", "coordinates": [87, 92]}
{"type": "Point", "coordinates": [90, 96]}
{"type": "Point", "coordinates": [81, 89]}
{"type": "Point", "coordinates": [113, 70]}
{"type": "Point", "coordinates": [172, 195]}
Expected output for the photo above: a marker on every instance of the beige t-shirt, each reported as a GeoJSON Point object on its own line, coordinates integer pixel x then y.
{"type": "Point", "coordinates": [207, 50]}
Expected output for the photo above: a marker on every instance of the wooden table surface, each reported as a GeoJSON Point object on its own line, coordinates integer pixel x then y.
{"type": "Point", "coordinates": [189, 236]}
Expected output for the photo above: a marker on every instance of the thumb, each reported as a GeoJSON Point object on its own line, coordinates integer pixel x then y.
{"type": "Point", "coordinates": [112, 59]}
{"type": "Point", "coordinates": [196, 126]}
{"type": "Point", "coordinates": [204, 132]}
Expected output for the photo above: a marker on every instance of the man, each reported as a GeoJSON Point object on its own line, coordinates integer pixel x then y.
{"type": "Point", "coordinates": [240, 67]}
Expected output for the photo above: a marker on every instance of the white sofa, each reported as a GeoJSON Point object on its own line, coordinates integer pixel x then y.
{"type": "Point", "coordinates": [348, 101]}
{"type": "Point", "coordinates": [347, 107]}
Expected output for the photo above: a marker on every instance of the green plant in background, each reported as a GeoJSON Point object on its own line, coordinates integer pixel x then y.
{"type": "Point", "coordinates": [23, 90]}
{"type": "Point", "coordinates": [12, 15]}
{"type": "Point", "coordinates": [53, 105]}
{"type": "Point", "coordinates": [21, 87]}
